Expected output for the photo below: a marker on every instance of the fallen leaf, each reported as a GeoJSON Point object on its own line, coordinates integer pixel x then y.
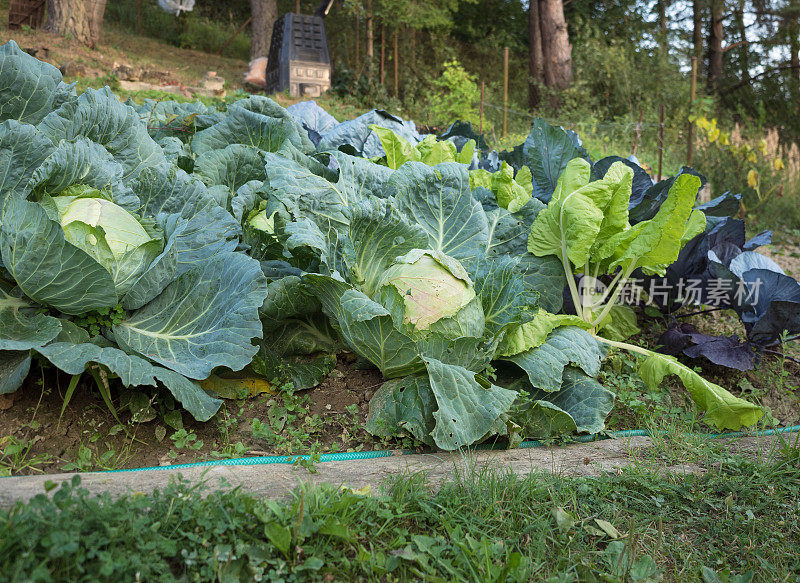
{"type": "Point", "coordinates": [564, 520]}
{"type": "Point", "coordinates": [234, 388]}
{"type": "Point", "coordinates": [6, 402]}
{"type": "Point", "coordinates": [608, 528]}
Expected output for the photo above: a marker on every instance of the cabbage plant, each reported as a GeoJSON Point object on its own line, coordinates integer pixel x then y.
{"type": "Point", "coordinates": [414, 274]}
{"type": "Point", "coordinates": [114, 261]}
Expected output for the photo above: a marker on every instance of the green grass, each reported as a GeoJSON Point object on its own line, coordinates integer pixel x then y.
{"type": "Point", "coordinates": [641, 525]}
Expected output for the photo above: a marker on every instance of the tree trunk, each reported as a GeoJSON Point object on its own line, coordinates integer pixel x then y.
{"type": "Point", "coordinates": [556, 50]}
{"type": "Point", "coordinates": [715, 35]}
{"type": "Point", "coordinates": [264, 13]}
{"type": "Point", "coordinates": [697, 30]}
{"type": "Point", "coordinates": [793, 30]}
{"type": "Point", "coordinates": [744, 50]}
{"type": "Point", "coordinates": [383, 55]}
{"type": "Point", "coordinates": [370, 33]}
{"type": "Point", "coordinates": [535, 58]}
{"type": "Point", "coordinates": [79, 19]}
{"type": "Point", "coordinates": [357, 30]}
{"type": "Point", "coordinates": [663, 40]}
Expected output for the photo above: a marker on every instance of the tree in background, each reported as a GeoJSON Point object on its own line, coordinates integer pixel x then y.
{"type": "Point", "coordinates": [556, 48]}
{"type": "Point", "coordinates": [79, 19]}
{"type": "Point", "coordinates": [264, 13]}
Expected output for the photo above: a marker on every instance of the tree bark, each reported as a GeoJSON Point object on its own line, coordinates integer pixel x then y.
{"type": "Point", "coordinates": [697, 30]}
{"type": "Point", "coordinates": [370, 33]}
{"type": "Point", "coordinates": [383, 55]}
{"type": "Point", "coordinates": [264, 13]}
{"type": "Point", "coordinates": [716, 33]}
{"type": "Point", "coordinates": [79, 19]}
{"type": "Point", "coordinates": [744, 50]}
{"type": "Point", "coordinates": [663, 40]}
{"type": "Point", "coordinates": [535, 58]}
{"type": "Point", "coordinates": [556, 49]}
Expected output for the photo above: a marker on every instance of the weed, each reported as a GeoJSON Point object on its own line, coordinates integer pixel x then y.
{"type": "Point", "coordinates": [15, 456]}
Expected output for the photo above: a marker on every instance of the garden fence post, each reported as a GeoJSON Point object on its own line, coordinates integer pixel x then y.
{"type": "Point", "coordinates": [483, 91]}
{"type": "Point", "coordinates": [396, 68]}
{"type": "Point", "coordinates": [505, 92]}
{"type": "Point", "coordinates": [690, 142]}
{"type": "Point", "coordinates": [660, 140]}
{"type": "Point", "coordinates": [637, 133]}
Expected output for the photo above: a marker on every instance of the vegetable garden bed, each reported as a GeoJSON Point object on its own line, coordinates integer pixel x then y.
{"type": "Point", "coordinates": [379, 286]}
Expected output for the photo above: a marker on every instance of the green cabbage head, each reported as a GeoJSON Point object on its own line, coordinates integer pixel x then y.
{"type": "Point", "coordinates": [113, 236]}
{"type": "Point", "coordinates": [436, 292]}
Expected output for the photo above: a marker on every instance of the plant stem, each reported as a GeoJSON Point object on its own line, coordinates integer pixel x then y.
{"type": "Point", "coordinates": [624, 345]}
{"type": "Point", "coordinates": [573, 289]}
{"type": "Point", "coordinates": [614, 296]}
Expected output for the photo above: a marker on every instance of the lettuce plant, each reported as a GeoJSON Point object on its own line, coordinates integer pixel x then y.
{"type": "Point", "coordinates": [586, 227]}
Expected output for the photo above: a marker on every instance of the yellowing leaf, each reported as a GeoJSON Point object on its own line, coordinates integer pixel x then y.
{"type": "Point", "coordinates": [608, 528]}
{"type": "Point", "coordinates": [752, 179]}
{"type": "Point", "coordinates": [777, 164]}
{"type": "Point", "coordinates": [235, 388]}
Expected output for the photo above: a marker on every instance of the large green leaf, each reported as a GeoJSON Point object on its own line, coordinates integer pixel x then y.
{"type": "Point", "coordinates": [568, 345]}
{"type": "Point", "coordinates": [403, 405]}
{"type": "Point", "coordinates": [133, 372]}
{"type": "Point", "coordinates": [466, 410]}
{"type": "Point", "coordinates": [532, 334]}
{"type": "Point", "coordinates": [540, 419]}
{"type": "Point", "coordinates": [584, 399]}
{"type": "Point", "coordinates": [261, 132]}
{"type": "Point", "coordinates": [439, 200]}
{"type": "Point", "coordinates": [46, 267]}
{"type": "Point", "coordinates": [22, 149]}
{"type": "Point", "coordinates": [99, 116]}
{"type": "Point", "coordinates": [232, 166]}
{"type": "Point", "coordinates": [169, 190]}
{"type": "Point", "coordinates": [379, 236]}
{"type": "Point", "coordinates": [302, 335]}
{"type": "Point", "coordinates": [655, 244]}
{"type": "Point", "coordinates": [547, 150]}
{"type": "Point", "coordinates": [263, 105]}
{"type": "Point", "coordinates": [367, 327]}
{"type": "Point", "coordinates": [722, 409]}
{"type": "Point", "coordinates": [14, 368]}
{"type": "Point", "coordinates": [580, 212]}
{"type": "Point", "coordinates": [157, 274]}
{"type": "Point", "coordinates": [27, 86]}
{"type": "Point", "coordinates": [169, 193]}
{"type": "Point", "coordinates": [320, 199]}
{"type": "Point", "coordinates": [86, 163]}
{"type": "Point", "coordinates": [21, 327]}
{"type": "Point", "coordinates": [286, 298]}
{"type": "Point", "coordinates": [204, 319]}
{"type": "Point", "coordinates": [504, 295]}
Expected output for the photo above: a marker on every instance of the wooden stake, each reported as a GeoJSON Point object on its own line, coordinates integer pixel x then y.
{"type": "Point", "coordinates": [233, 36]}
{"type": "Point", "coordinates": [638, 133]}
{"type": "Point", "coordinates": [297, 6]}
{"type": "Point", "coordinates": [396, 68]}
{"type": "Point", "coordinates": [139, 17]}
{"type": "Point", "coordinates": [660, 140]}
{"type": "Point", "coordinates": [693, 94]}
{"type": "Point", "coordinates": [483, 91]}
{"type": "Point", "coordinates": [505, 92]}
